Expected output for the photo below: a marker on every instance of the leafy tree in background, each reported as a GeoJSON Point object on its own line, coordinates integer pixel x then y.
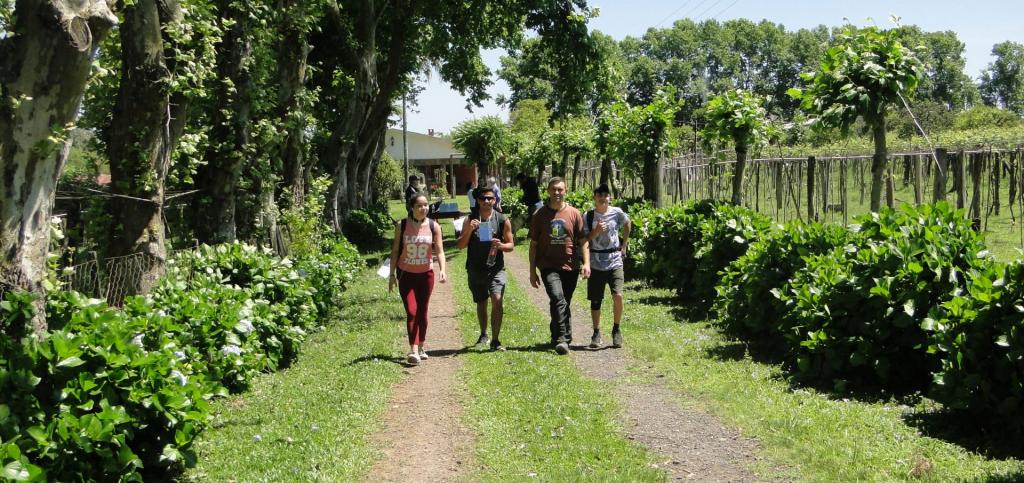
{"type": "Point", "coordinates": [1002, 82]}
{"type": "Point", "coordinates": [639, 136]}
{"type": "Point", "coordinates": [483, 140]}
{"type": "Point", "coordinates": [736, 117]}
{"type": "Point", "coordinates": [862, 75]}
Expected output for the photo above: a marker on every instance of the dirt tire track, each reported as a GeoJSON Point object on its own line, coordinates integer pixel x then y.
{"type": "Point", "coordinates": [689, 444]}
{"type": "Point", "coordinates": [422, 437]}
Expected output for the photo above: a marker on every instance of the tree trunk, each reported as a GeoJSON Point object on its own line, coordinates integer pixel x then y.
{"type": "Point", "coordinates": [44, 68]}
{"type": "Point", "coordinates": [140, 142]}
{"type": "Point", "coordinates": [606, 170]}
{"type": "Point", "coordinates": [575, 169]}
{"type": "Point", "coordinates": [737, 178]}
{"type": "Point", "coordinates": [293, 52]}
{"type": "Point", "coordinates": [229, 135]}
{"type": "Point", "coordinates": [878, 162]}
{"type": "Point", "coordinates": [652, 181]}
{"type": "Point", "coordinates": [563, 165]}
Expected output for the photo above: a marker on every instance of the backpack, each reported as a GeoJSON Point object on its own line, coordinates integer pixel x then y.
{"type": "Point", "coordinates": [401, 234]}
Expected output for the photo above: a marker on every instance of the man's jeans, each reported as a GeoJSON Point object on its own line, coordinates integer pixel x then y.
{"type": "Point", "coordinates": [560, 285]}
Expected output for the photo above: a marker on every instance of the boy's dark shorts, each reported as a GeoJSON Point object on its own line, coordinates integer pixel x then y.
{"type": "Point", "coordinates": [613, 278]}
{"type": "Point", "coordinates": [482, 284]}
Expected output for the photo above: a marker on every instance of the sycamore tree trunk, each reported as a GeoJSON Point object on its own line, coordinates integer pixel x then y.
{"type": "Point", "coordinates": [737, 178]}
{"type": "Point", "coordinates": [44, 67]}
{"type": "Point", "coordinates": [878, 162]}
{"type": "Point", "coordinates": [141, 137]}
{"type": "Point", "coordinates": [292, 57]}
{"type": "Point", "coordinates": [652, 181]}
{"type": "Point", "coordinates": [359, 130]}
{"type": "Point", "coordinates": [218, 179]}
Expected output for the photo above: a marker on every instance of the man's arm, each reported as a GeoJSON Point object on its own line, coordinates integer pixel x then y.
{"type": "Point", "coordinates": [467, 232]}
{"type": "Point", "coordinates": [507, 237]}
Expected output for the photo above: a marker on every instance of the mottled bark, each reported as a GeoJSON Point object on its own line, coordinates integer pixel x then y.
{"type": "Point", "coordinates": [142, 134]}
{"type": "Point", "coordinates": [292, 56]}
{"type": "Point", "coordinates": [44, 68]}
{"type": "Point", "coordinates": [737, 178]}
{"type": "Point", "coordinates": [218, 179]}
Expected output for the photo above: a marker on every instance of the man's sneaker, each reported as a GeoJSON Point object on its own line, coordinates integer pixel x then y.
{"type": "Point", "coordinates": [483, 340]}
{"type": "Point", "coordinates": [423, 354]}
{"type": "Point", "coordinates": [616, 337]}
{"type": "Point", "coordinates": [414, 359]}
{"type": "Point", "coordinates": [562, 348]}
{"type": "Point", "coordinates": [496, 346]}
{"type": "Point", "coordinates": [595, 340]}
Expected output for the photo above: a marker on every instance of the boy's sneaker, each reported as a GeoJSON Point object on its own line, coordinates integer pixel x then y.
{"type": "Point", "coordinates": [562, 348]}
{"type": "Point", "coordinates": [423, 354]}
{"type": "Point", "coordinates": [414, 359]}
{"type": "Point", "coordinates": [616, 337]}
{"type": "Point", "coordinates": [483, 340]}
{"type": "Point", "coordinates": [496, 346]}
{"type": "Point", "coordinates": [595, 340]}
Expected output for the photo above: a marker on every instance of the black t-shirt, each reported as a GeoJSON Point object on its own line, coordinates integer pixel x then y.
{"type": "Point", "coordinates": [410, 191]}
{"type": "Point", "coordinates": [477, 251]}
{"type": "Point", "coordinates": [531, 194]}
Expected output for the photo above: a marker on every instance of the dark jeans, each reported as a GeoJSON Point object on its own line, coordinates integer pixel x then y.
{"type": "Point", "coordinates": [560, 285]}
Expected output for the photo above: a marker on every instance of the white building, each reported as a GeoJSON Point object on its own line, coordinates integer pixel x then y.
{"type": "Point", "coordinates": [428, 153]}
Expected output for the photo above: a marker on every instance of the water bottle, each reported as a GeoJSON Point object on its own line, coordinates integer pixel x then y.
{"type": "Point", "coordinates": [492, 256]}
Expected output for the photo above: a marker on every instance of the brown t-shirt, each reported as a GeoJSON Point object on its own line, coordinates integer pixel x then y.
{"type": "Point", "coordinates": [556, 233]}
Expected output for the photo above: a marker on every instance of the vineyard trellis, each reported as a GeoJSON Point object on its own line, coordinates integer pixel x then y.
{"type": "Point", "coordinates": [987, 182]}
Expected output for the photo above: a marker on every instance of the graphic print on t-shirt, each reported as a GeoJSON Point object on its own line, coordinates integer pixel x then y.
{"type": "Point", "coordinates": [559, 235]}
{"type": "Point", "coordinates": [416, 249]}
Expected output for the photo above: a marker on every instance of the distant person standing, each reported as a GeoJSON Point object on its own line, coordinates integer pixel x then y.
{"type": "Point", "coordinates": [412, 188]}
{"type": "Point", "coordinates": [531, 195]}
{"type": "Point", "coordinates": [473, 207]}
{"type": "Point", "coordinates": [417, 240]}
{"type": "Point", "coordinates": [493, 184]}
{"type": "Point", "coordinates": [607, 249]}
{"type": "Point", "coordinates": [556, 236]}
{"type": "Point", "coordinates": [488, 235]}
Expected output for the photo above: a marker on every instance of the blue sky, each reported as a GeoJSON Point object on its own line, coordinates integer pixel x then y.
{"type": "Point", "coordinates": [979, 24]}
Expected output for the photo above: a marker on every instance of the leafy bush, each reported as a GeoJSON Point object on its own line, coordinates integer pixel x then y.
{"type": "Point", "coordinates": [388, 181]}
{"type": "Point", "coordinates": [106, 397]}
{"type": "Point", "coordinates": [329, 273]}
{"type": "Point", "coordinates": [980, 337]}
{"type": "Point", "coordinates": [367, 228]}
{"type": "Point", "coordinates": [512, 203]}
{"type": "Point", "coordinates": [982, 116]}
{"type": "Point", "coordinates": [632, 205]}
{"type": "Point", "coordinates": [686, 246]}
{"type": "Point", "coordinates": [857, 319]}
{"type": "Point", "coordinates": [581, 200]}
{"type": "Point", "coordinates": [747, 305]}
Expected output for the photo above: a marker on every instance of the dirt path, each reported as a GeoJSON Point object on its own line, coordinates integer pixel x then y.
{"type": "Point", "coordinates": [691, 445]}
{"type": "Point", "coordinates": [423, 438]}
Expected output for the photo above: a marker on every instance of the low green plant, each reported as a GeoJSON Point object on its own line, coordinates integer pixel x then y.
{"type": "Point", "coordinates": [857, 317]}
{"type": "Point", "coordinates": [367, 228]}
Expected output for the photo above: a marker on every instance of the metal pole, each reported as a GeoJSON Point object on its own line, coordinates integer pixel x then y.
{"type": "Point", "coordinates": [405, 143]}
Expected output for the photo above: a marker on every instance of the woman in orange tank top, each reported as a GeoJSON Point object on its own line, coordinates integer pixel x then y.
{"type": "Point", "coordinates": [417, 240]}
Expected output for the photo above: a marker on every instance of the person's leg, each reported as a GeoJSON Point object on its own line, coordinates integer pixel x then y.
{"type": "Point", "coordinates": [595, 294]}
{"type": "Point", "coordinates": [405, 289]}
{"type": "Point", "coordinates": [497, 296]}
{"type": "Point", "coordinates": [478, 289]}
{"type": "Point", "coordinates": [423, 290]}
{"type": "Point", "coordinates": [557, 304]}
{"type": "Point", "coordinates": [616, 282]}
{"type": "Point", "coordinates": [569, 280]}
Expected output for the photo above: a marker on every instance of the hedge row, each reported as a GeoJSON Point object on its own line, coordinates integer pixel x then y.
{"type": "Point", "coordinates": [108, 394]}
{"type": "Point", "coordinates": [902, 300]}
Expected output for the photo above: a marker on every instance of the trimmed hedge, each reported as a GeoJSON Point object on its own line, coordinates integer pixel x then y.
{"type": "Point", "coordinates": [109, 394]}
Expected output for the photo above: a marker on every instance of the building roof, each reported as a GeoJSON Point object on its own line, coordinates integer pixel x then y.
{"type": "Point", "coordinates": [421, 146]}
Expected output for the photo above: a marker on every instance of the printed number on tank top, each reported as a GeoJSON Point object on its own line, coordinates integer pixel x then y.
{"type": "Point", "coordinates": [416, 251]}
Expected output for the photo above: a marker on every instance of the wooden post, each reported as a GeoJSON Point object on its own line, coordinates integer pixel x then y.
{"type": "Point", "coordinates": [812, 215]}
{"type": "Point", "coordinates": [959, 173]}
{"type": "Point", "coordinates": [977, 168]}
{"type": "Point", "coordinates": [918, 182]}
{"type": "Point", "coordinates": [778, 184]}
{"type": "Point", "coordinates": [997, 166]}
{"type": "Point", "coordinates": [842, 189]}
{"type": "Point", "coordinates": [939, 190]}
{"type": "Point", "coordinates": [890, 187]}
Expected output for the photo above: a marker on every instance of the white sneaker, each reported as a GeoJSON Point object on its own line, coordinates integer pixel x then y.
{"type": "Point", "coordinates": [423, 354]}
{"type": "Point", "coordinates": [414, 359]}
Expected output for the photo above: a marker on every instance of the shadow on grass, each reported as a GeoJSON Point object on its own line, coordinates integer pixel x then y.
{"type": "Point", "coordinates": [971, 433]}
{"type": "Point", "coordinates": [401, 360]}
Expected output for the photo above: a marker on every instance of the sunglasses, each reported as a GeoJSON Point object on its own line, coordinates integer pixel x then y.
{"type": "Point", "coordinates": [487, 198]}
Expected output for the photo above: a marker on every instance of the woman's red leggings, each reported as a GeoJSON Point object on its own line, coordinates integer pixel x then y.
{"type": "Point", "coordinates": [415, 289]}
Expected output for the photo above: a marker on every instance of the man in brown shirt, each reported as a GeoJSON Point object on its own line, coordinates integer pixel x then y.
{"type": "Point", "coordinates": [556, 237]}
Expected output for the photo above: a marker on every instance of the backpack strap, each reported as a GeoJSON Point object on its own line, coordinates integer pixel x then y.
{"type": "Point", "coordinates": [401, 238]}
{"type": "Point", "coordinates": [589, 216]}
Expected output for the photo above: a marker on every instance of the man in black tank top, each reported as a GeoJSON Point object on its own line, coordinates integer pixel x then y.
{"type": "Point", "coordinates": [487, 235]}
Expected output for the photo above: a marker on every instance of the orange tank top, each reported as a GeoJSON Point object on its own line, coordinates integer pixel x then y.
{"type": "Point", "coordinates": [418, 247]}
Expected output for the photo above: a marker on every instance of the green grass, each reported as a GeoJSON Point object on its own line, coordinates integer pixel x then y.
{"type": "Point", "coordinates": [534, 414]}
{"type": "Point", "coordinates": [310, 422]}
{"type": "Point", "coordinates": [814, 436]}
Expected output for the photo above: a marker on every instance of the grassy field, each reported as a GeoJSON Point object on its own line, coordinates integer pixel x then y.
{"type": "Point", "coordinates": [310, 422]}
{"type": "Point", "coordinates": [534, 414]}
{"type": "Point", "coordinates": [817, 436]}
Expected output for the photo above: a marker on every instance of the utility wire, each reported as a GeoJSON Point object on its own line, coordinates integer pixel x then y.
{"type": "Point", "coordinates": [720, 12]}
{"type": "Point", "coordinates": [673, 13]}
{"type": "Point", "coordinates": [706, 10]}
